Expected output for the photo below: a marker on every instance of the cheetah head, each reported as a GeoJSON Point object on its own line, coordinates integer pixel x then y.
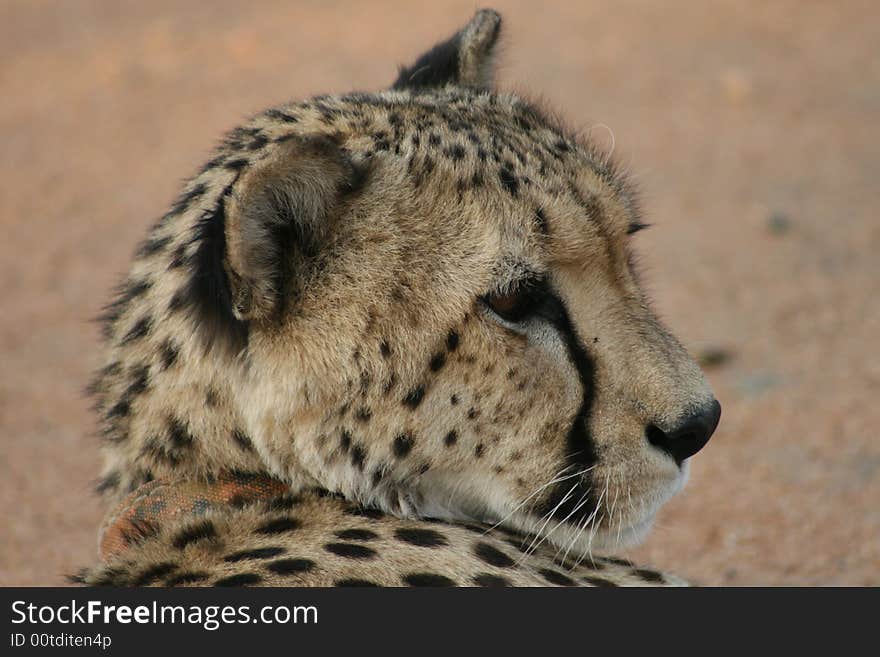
{"type": "Point", "coordinates": [425, 299]}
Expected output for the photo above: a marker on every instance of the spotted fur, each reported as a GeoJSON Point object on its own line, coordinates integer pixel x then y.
{"type": "Point", "coordinates": [316, 306]}
{"type": "Point", "coordinates": [317, 539]}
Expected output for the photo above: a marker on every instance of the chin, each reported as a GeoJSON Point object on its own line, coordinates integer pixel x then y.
{"type": "Point", "coordinates": [609, 530]}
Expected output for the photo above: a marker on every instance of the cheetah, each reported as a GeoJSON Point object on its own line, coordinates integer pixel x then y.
{"type": "Point", "coordinates": [393, 338]}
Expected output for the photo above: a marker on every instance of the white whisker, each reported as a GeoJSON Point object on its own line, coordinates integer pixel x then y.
{"type": "Point", "coordinates": [549, 517]}
{"type": "Point", "coordinates": [556, 480]}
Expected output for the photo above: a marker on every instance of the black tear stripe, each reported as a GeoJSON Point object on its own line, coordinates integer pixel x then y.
{"type": "Point", "coordinates": [581, 449]}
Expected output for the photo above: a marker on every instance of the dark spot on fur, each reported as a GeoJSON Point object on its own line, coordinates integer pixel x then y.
{"type": "Point", "coordinates": [278, 526]}
{"type": "Point", "coordinates": [179, 435]}
{"type": "Point", "coordinates": [351, 550]}
{"type": "Point", "coordinates": [140, 330]}
{"type": "Point", "coordinates": [617, 561]}
{"type": "Point", "coordinates": [213, 163]}
{"type": "Point", "coordinates": [179, 258]}
{"type": "Point", "coordinates": [635, 227]}
{"type": "Point", "coordinates": [152, 246]}
{"type": "Point", "coordinates": [555, 577]}
{"type": "Point", "coordinates": [323, 493]}
{"type": "Point", "coordinates": [421, 537]}
{"type": "Point", "coordinates": [402, 445]}
{"type": "Point", "coordinates": [169, 354]}
{"type": "Point", "coordinates": [487, 580]}
{"type": "Point", "coordinates": [355, 582]}
{"type": "Point", "coordinates": [597, 581]}
{"type": "Point", "coordinates": [282, 503]}
{"type": "Point", "coordinates": [479, 450]}
{"type": "Point", "coordinates": [363, 415]}
{"type": "Point", "coordinates": [139, 382]}
{"type": "Point", "coordinates": [257, 142]}
{"type": "Point", "coordinates": [452, 341]}
{"type": "Point", "coordinates": [108, 482]}
{"type": "Point", "coordinates": [453, 400]}
{"type": "Point", "coordinates": [437, 362]}
{"type": "Point", "coordinates": [414, 397]}
{"type": "Point", "coordinates": [256, 553]}
{"type": "Point", "coordinates": [345, 441]}
{"type": "Point", "coordinates": [242, 440]}
{"type": "Point", "coordinates": [98, 383]}
{"type": "Point", "coordinates": [358, 456]}
{"type": "Point", "coordinates": [385, 349]}
{"type": "Point", "coordinates": [178, 301]}
{"type": "Point", "coordinates": [427, 579]}
{"type": "Point", "coordinates": [196, 532]}
{"type": "Point", "coordinates": [290, 566]}
{"type": "Point", "coordinates": [364, 512]}
{"type": "Point", "coordinates": [492, 555]}
{"type": "Point", "coordinates": [278, 115]}
{"type": "Point", "coordinates": [356, 535]}
{"type": "Point", "coordinates": [456, 152]}
{"type": "Point", "coordinates": [451, 438]}
{"type": "Point", "coordinates": [649, 575]}
{"type": "Point", "coordinates": [188, 577]}
{"type": "Point", "coordinates": [113, 576]}
{"type": "Point", "coordinates": [185, 199]}
{"type": "Point", "coordinates": [242, 579]}
{"type": "Point", "coordinates": [120, 409]}
{"type": "Point", "coordinates": [153, 573]}
{"type": "Point", "coordinates": [509, 180]}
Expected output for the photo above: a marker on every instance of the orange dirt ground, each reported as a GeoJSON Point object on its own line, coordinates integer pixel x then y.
{"type": "Point", "coordinates": [752, 128]}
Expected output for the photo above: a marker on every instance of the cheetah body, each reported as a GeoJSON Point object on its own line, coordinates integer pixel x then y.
{"type": "Point", "coordinates": [336, 302]}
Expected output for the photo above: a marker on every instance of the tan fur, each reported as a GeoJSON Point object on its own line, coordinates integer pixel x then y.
{"type": "Point", "coordinates": [372, 367]}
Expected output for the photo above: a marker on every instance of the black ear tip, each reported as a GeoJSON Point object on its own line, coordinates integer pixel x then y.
{"type": "Point", "coordinates": [464, 59]}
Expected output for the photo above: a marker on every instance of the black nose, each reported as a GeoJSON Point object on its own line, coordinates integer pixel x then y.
{"type": "Point", "coordinates": [690, 436]}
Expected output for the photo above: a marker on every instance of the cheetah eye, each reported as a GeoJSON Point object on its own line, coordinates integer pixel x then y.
{"type": "Point", "coordinates": [513, 305]}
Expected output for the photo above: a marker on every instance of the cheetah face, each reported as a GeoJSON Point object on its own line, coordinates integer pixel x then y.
{"type": "Point", "coordinates": [443, 314]}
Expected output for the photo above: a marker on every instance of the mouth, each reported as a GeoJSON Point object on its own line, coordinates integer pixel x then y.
{"type": "Point", "coordinates": [593, 512]}
{"type": "Point", "coordinates": [575, 543]}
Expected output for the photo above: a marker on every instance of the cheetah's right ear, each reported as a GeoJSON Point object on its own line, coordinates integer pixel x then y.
{"type": "Point", "coordinates": [277, 217]}
{"type": "Point", "coordinates": [466, 59]}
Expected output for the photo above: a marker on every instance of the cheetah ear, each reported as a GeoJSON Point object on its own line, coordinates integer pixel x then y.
{"type": "Point", "coordinates": [466, 59]}
{"type": "Point", "coordinates": [278, 215]}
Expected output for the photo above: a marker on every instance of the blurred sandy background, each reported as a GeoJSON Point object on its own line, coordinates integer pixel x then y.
{"type": "Point", "coordinates": [752, 127]}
